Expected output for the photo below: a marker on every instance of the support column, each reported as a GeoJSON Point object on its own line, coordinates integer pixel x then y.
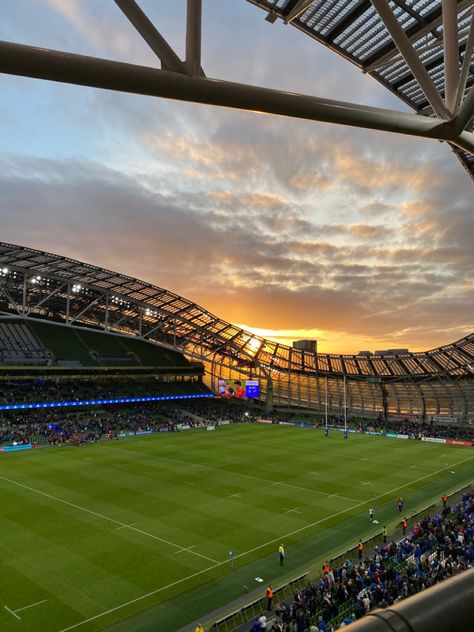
{"type": "Point", "coordinates": [269, 407]}
{"type": "Point", "coordinates": [193, 37]}
{"type": "Point", "coordinates": [451, 53]}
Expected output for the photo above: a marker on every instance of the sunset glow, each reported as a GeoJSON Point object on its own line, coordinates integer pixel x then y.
{"type": "Point", "coordinates": [361, 240]}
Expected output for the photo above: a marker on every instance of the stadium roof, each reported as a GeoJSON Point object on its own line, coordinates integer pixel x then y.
{"type": "Point", "coordinates": [421, 50]}
{"type": "Point", "coordinates": [40, 284]}
{"type": "Point", "coordinates": [355, 29]}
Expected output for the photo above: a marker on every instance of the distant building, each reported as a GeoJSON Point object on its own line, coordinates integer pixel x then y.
{"type": "Point", "coordinates": [306, 345]}
{"type": "Point", "coordinates": [395, 352]}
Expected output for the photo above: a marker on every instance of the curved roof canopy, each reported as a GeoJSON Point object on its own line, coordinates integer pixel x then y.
{"type": "Point", "coordinates": [421, 50]}
{"type": "Point", "coordinates": [40, 284]}
{"type": "Point", "coordinates": [426, 61]}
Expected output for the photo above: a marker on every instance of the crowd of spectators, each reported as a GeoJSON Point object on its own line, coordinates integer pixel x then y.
{"type": "Point", "coordinates": [59, 390]}
{"type": "Point", "coordinates": [419, 430]}
{"type": "Point", "coordinates": [437, 548]}
{"type": "Point", "coordinates": [58, 427]}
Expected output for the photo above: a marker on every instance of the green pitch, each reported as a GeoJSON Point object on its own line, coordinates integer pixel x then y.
{"type": "Point", "coordinates": [134, 535]}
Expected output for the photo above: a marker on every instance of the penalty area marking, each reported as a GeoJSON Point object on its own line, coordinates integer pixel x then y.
{"type": "Point", "coordinates": [256, 548]}
{"type": "Point", "coordinates": [99, 515]}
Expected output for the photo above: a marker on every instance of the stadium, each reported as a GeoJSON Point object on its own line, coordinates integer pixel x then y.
{"type": "Point", "coordinates": [435, 385]}
{"type": "Point", "coordinates": [163, 468]}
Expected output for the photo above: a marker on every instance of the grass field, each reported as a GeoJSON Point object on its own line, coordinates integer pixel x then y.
{"type": "Point", "coordinates": [134, 535]}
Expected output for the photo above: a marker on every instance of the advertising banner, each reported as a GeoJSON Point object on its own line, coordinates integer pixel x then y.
{"type": "Point", "coordinates": [468, 444]}
{"type": "Point", "coordinates": [15, 448]}
{"type": "Point", "coordinates": [410, 416]}
{"type": "Point", "coordinates": [211, 428]}
{"type": "Point", "coordinates": [433, 439]}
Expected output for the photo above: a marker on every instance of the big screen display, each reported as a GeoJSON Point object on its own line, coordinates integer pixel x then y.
{"type": "Point", "coordinates": [243, 389]}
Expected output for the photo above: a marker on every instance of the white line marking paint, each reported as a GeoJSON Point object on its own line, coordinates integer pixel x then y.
{"type": "Point", "coordinates": [234, 496]}
{"type": "Point", "coordinates": [127, 526]}
{"type": "Point", "coordinates": [11, 612]}
{"type": "Point", "coordinates": [261, 546]}
{"type": "Point", "coordinates": [255, 478]}
{"type": "Point", "coordinates": [186, 549]}
{"type": "Point", "coordinates": [294, 510]}
{"type": "Point", "coordinates": [99, 515]}
{"type": "Point", "coordinates": [31, 605]}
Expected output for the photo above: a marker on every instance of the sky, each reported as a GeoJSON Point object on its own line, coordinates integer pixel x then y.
{"type": "Point", "coordinates": [293, 229]}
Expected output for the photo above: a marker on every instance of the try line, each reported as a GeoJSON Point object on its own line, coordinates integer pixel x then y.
{"type": "Point", "coordinates": [256, 548]}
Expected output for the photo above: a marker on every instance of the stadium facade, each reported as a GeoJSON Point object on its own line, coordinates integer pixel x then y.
{"type": "Point", "coordinates": [433, 385]}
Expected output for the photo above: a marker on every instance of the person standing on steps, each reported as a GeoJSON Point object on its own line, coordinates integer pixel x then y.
{"type": "Point", "coordinates": [269, 597]}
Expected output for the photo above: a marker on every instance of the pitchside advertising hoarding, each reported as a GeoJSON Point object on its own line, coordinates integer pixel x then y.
{"type": "Point", "coordinates": [242, 389]}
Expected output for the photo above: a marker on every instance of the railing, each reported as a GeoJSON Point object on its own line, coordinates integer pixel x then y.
{"type": "Point", "coordinates": [246, 613]}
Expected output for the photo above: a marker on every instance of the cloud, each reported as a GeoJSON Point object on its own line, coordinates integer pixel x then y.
{"type": "Point", "coordinates": [277, 223]}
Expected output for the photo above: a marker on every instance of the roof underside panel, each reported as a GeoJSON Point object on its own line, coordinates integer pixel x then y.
{"type": "Point", "coordinates": [353, 29]}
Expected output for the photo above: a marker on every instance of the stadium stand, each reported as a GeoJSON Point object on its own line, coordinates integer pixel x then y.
{"type": "Point", "coordinates": [439, 547]}
{"type": "Point", "coordinates": [38, 342]}
{"type": "Point", "coordinates": [19, 345]}
{"type": "Point", "coordinates": [65, 345]}
{"type": "Point", "coordinates": [59, 426]}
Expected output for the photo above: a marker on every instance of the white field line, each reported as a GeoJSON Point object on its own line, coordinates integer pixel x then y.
{"type": "Point", "coordinates": [127, 526]}
{"type": "Point", "coordinates": [99, 515]}
{"type": "Point", "coordinates": [186, 549]}
{"type": "Point", "coordinates": [256, 548]}
{"type": "Point", "coordinates": [31, 605]}
{"type": "Point", "coordinates": [254, 478]}
{"type": "Point", "coordinates": [11, 612]}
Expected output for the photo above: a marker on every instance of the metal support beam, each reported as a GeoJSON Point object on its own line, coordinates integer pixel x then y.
{"type": "Point", "coordinates": [46, 298]}
{"type": "Point", "coordinates": [409, 54]}
{"type": "Point", "coordinates": [465, 114]}
{"type": "Point", "coordinates": [193, 37]}
{"type": "Point", "coordinates": [451, 53]}
{"type": "Point", "coordinates": [151, 35]}
{"type": "Point", "coordinates": [465, 65]}
{"type": "Point", "coordinates": [299, 8]}
{"type": "Point", "coordinates": [29, 61]}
